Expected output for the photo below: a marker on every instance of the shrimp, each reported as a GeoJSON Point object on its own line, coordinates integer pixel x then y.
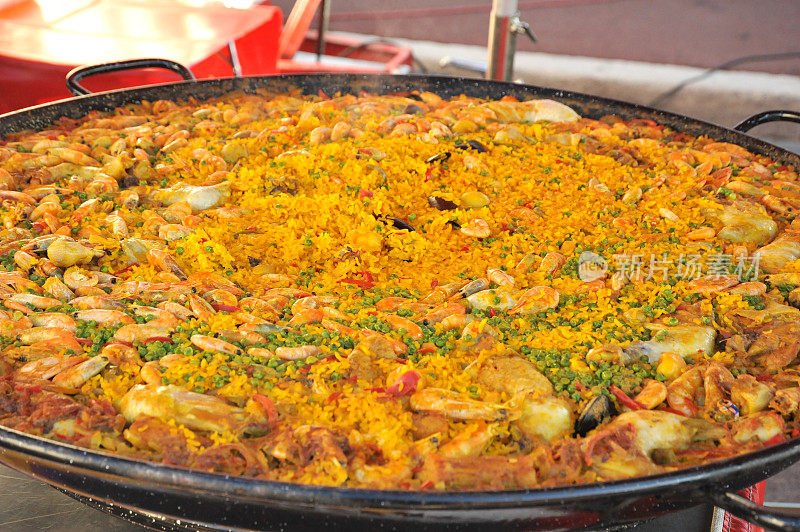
{"type": "Point", "coordinates": [498, 299]}
{"type": "Point", "coordinates": [54, 319]}
{"type": "Point", "coordinates": [717, 383]}
{"type": "Point", "coordinates": [452, 405]}
{"type": "Point", "coordinates": [713, 283]}
{"type": "Point", "coordinates": [209, 343]}
{"type": "Point", "coordinates": [471, 441]}
{"type": "Point", "coordinates": [536, 299]}
{"type": "Point", "coordinates": [682, 391]}
{"type": "Point", "coordinates": [96, 302]}
{"type": "Point", "coordinates": [477, 228]}
{"type": "Point", "coordinates": [551, 263]}
{"type": "Point", "coordinates": [297, 353]}
{"type": "Point", "coordinates": [165, 262]}
{"type": "Point", "coordinates": [399, 323]}
{"type": "Point", "coordinates": [104, 317]}
{"type": "Point", "coordinates": [77, 375]}
{"type": "Point", "coordinates": [139, 333]}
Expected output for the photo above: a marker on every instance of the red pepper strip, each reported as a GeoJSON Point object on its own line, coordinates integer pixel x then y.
{"type": "Point", "coordinates": [84, 341]}
{"type": "Point", "coordinates": [762, 378]}
{"type": "Point", "coordinates": [428, 173]}
{"type": "Point", "coordinates": [269, 407]}
{"type": "Point", "coordinates": [368, 276]}
{"type": "Point", "coordinates": [405, 385]}
{"type": "Point", "coordinates": [672, 411]}
{"type": "Point", "coordinates": [492, 313]}
{"type": "Point", "coordinates": [377, 389]}
{"type": "Point", "coordinates": [166, 339]}
{"type": "Point", "coordinates": [363, 193]}
{"type": "Point", "coordinates": [224, 308]}
{"type": "Point", "coordinates": [778, 438]}
{"type": "Point", "coordinates": [358, 282]}
{"type": "Point", "coordinates": [579, 386]}
{"type": "Point", "coordinates": [334, 396]}
{"type": "Point", "coordinates": [352, 379]}
{"type": "Point", "coordinates": [426, 350]}
{"type": "Point", "coordinates": [623, 398]}
{"type": "Point", "coordinates": [426, 485]}
{"type": "Point", "coordinates": [123, 270]}
{"type": "Point", "coordinates": [795, 433]}
{"type": "Point", "coordinates": [26, 388]}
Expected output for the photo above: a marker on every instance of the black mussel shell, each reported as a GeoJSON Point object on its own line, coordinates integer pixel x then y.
{"type": "Point", "coordinates": [130, 181]}
{"type": "Point", "coordinates": [441, 204]}
{"type": "Point", "coordinates": [413, 109]}
{"type": "Point", "coordinates": [454, 224]}
{"type": "Point", "coordinates": [596, 410]}
{"type": "Point", "coordinates": [253, 261]}
{"type": "Point", "coordinates": [401, 224]}
{"type": "Point", "coordinates": [472, 145]}
{"type": "Point", "coordinates": [439, 157]}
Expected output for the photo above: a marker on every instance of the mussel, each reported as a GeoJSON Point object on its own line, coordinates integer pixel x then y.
{"type": "Point", "coordinates": [397, 223]}
{"type": "Point", "coordinates": [596, 410]}
{"type": "Point", "coordinates": [472, 144]}
{"type": "Point", "coordinates": [441, 204]}
{"type": "Point", "coordinates": [440, 157]}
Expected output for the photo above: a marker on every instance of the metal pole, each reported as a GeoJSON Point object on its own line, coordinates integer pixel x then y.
{"type": "Point", "coordinates": [502, 41]}
{"type": "Point", "coordinates": [324, 16]}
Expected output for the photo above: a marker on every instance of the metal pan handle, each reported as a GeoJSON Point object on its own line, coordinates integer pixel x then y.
{"type": "Point", "coordinates": [78, 73]}
{"type": "Point", "coordinates": [767, 116]}
{"type": "Point", "coordinates": [771, 518]}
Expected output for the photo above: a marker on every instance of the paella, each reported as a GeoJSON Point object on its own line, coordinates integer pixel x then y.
{"type": "Point", "coordinates": [397, 291]}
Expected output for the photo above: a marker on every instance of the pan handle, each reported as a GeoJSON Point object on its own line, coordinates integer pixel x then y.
{"type": "Point", "coordinates": [767, 116]}
{"type": "Point", "coordinates": [772, 518]}
{"type": "Point", "coordinates": [78, 73]}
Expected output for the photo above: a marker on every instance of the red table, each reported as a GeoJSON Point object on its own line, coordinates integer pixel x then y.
{"type": "Point", "coordinates": [41, 40]}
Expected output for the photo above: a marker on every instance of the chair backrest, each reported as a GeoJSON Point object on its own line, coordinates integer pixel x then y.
{"type": "Point", "coordinates": [296, 27]}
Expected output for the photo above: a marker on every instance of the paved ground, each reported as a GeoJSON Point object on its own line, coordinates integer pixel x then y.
{"type": "Point", "coordinates": [701, 33]}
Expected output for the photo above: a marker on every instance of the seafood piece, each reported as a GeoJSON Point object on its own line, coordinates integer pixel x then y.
{"type": "Point", "coordinates": [64, 253]}
{"type": "Point", "coordinates": [165, 262]}
{"type": "Point", "coordinates": [546, 418]}
{"type": "Point", "coordinates": [682, 391]}
{"type": "Point", "coordinates": [761, 426]}
{"type": "Point", "coordinates": [683, 340]}
{"type": "Point", "coordinates": [625, 446]}
{"type": "Point", "coordinates": [193, 410]}
{"type": "Point", "coordinates": [140, 332]}
{"type": "Point", "coordinates": [498, 299]}
{"type": "Point", "coordinates": [471, 441]}
{"type": "Point", "coordinates": [746, 224]}
{"type": "Point", "coordinates": [511, 374]}
{"type": "Point", "coordinates": [77, 375]}
{"type": "Point", "coordinates": [53, 319]}
{"type": "Point", "coordinates": [774, 256]}
{"type": "Point", "coordinates": [536, 299]}
{"type": "Point", "coordinates": [597, 410]}
{"type": "Point", "coordinates": [104, 317]}
{"type": "Point", "coordinates": [209, 343]}
{"type": "Point", "coordinates": [199, 198]}
{"type": "Point", "coordinates": [653, 394]}
{"type": "Point", "coordinates": [452, 405]}
{"type": "Point", "coordinates": [751, 396]}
